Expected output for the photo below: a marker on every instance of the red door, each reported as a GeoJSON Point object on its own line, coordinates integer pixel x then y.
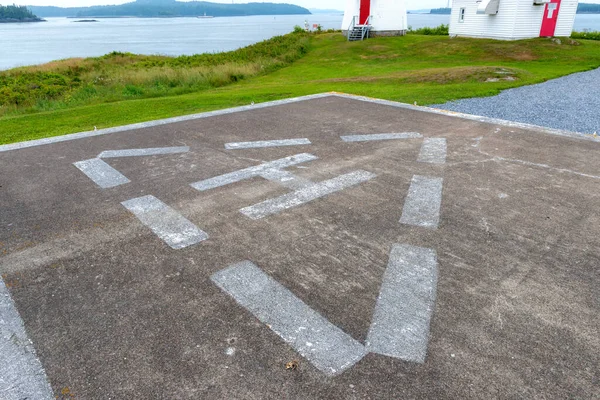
{"type": "Point", "coordinates": [365, 11]}
{"type": "Point", "coordinates": [550, 18]}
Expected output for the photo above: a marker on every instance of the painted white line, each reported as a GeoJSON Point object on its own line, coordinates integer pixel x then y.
{"type": "Point", "coordinates": [423, 202]}
{"type": "Point", "coordinates": [400, 326]}
{"type": "Point", "coordinates": [143, 152]}
{"type": "Point", "coordinates": [285, 178]}
{"type": "Point", "coordinates": [326, 346]}
{"type": "Point", "coordinates": [266, 143]}
{"type": "Point", "coordinates": [307, 194]}
{"type": "Point", "coordinates": [21, 373]}
{"type": "Point", "coordinates": [101, 173]}
{"type": "Point", "coordinates": [381, 136]}
{"type": "Point", "coordinates": [251, 172]}
{"type": "Point", "coordinates": [433, 151]}
{"type": "Point", "coordinates": [173, 228]}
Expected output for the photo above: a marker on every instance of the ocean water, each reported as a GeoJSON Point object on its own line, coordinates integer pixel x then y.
{"type": "Point", "coordinates": [59, 38]}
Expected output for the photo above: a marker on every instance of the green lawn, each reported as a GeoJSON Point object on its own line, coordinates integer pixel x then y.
{"type": "Point", "coordinates": [425, 69]}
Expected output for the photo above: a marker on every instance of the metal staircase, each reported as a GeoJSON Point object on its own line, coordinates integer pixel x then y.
{"type": "Point", "coordinates": [357, 31]}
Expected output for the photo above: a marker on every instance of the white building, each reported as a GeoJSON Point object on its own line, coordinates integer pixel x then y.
{"type": "Point", "coordinates": [385, 17]}
{"type": "Point", "coordinates": [512, 19]}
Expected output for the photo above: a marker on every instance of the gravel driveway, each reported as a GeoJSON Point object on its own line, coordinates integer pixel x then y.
{"type": "Point", "coordinates": [571, 103]}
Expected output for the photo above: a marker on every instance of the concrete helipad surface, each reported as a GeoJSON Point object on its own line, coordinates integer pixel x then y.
{"type": "Point", "coordinates": [376, 250]}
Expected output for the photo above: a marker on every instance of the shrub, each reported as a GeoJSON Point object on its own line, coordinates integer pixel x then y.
{"type": "Point", "coordinates": [442, 30]}
{"type": "Point", "coordinates": [132, 90]}
{"type": "Point", "coordinates": [593, 35]}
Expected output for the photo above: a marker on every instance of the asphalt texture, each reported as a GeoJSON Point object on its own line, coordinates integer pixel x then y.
{"type": "Point", "coordinates": [502, 293]}
{"type": "Point", "coordinates": [570, 103]}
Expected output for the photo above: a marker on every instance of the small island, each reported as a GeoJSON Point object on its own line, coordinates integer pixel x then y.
{"type": "Point", "coordinates": [17, 14]}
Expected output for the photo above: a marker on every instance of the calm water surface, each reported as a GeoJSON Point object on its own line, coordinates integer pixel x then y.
{"type": "Point", "coordinates": [35, 43]}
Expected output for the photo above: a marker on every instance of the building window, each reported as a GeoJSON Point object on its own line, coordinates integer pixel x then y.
{"type": "Point", "coordinates": [461, 15]}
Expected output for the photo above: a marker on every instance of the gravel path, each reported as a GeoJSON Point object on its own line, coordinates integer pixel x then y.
{"type": "Point", "coordinates": [571, 103]}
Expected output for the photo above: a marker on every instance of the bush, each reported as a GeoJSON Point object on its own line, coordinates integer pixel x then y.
{"type": "Point", "coordinates": [593, 35]}
{"type": "Point", "coordinates": [132, 90]}
{"type": "Point", "coordinates": [442, 30]}
{"type": "Point", "coordinates": [298, 29]}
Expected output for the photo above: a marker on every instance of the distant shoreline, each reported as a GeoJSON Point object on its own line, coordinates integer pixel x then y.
{"type": "Point", "coordinates": [170, 9]}
{"type": "Point", "coordinates": [179, 16]}
{"type": "Point", "coordinates": [16, 21]}
{"type": "Point", "coordinates": [133, 16]}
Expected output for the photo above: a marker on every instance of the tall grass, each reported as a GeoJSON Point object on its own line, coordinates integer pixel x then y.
{"type": "Point", "coordinates": [118, 76]}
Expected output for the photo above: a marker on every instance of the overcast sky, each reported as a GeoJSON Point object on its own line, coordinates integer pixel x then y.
{"type": "Point", "coordinates": [335, 4]}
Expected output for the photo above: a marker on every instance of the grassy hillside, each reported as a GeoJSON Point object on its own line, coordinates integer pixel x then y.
{"type": "Point", "coordinates": [425, 69]}
{"type": "Point", "coordinates": [123, 76]}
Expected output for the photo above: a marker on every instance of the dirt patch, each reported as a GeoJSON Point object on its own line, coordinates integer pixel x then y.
{"type": "Point", "coordinates": [441, 75]}
{"type": "Point", "coordinates": [379, 56]}
{"type": "Point", "coordinates": [58, 65]}
{"type": "Point", "coordinates": [378, 47]}
{"type": "Point", "coordinates": [526, 56]}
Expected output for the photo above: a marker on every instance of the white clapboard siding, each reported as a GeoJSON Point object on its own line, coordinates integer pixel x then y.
{"type": "Point", "coordinates": [500, 26]}
{"type": "Point", "coordinates": [387, 15]}
{"type": "Point", "coordinates": [528, 22]}
{"type": "Point", "coordinates": [566, 18]}
{"type": "Point", "coordinates": [516, 19]}
{"type": "Point", "coordinates": [352, 9]}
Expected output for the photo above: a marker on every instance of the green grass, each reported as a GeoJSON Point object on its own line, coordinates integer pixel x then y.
{"type": "Point", "coordinates": [425, 69]}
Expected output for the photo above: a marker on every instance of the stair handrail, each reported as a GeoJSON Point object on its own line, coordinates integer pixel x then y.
{"type": "Point", "coordinates": [366, 27]}
{"type": "Point", "coordinates": [352, 25]}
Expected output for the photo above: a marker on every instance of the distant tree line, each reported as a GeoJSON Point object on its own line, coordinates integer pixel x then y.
{"type": "Point", "coordinates": [15, 13]}
{"type": "Point", "coordinates": [583, 8]}
{"type": "Point", "coordinates": [586, 8]}
{"type": "Point", "coordinates": [440, 11]}
{"type": "Point", "coordinates": [171, 8]}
